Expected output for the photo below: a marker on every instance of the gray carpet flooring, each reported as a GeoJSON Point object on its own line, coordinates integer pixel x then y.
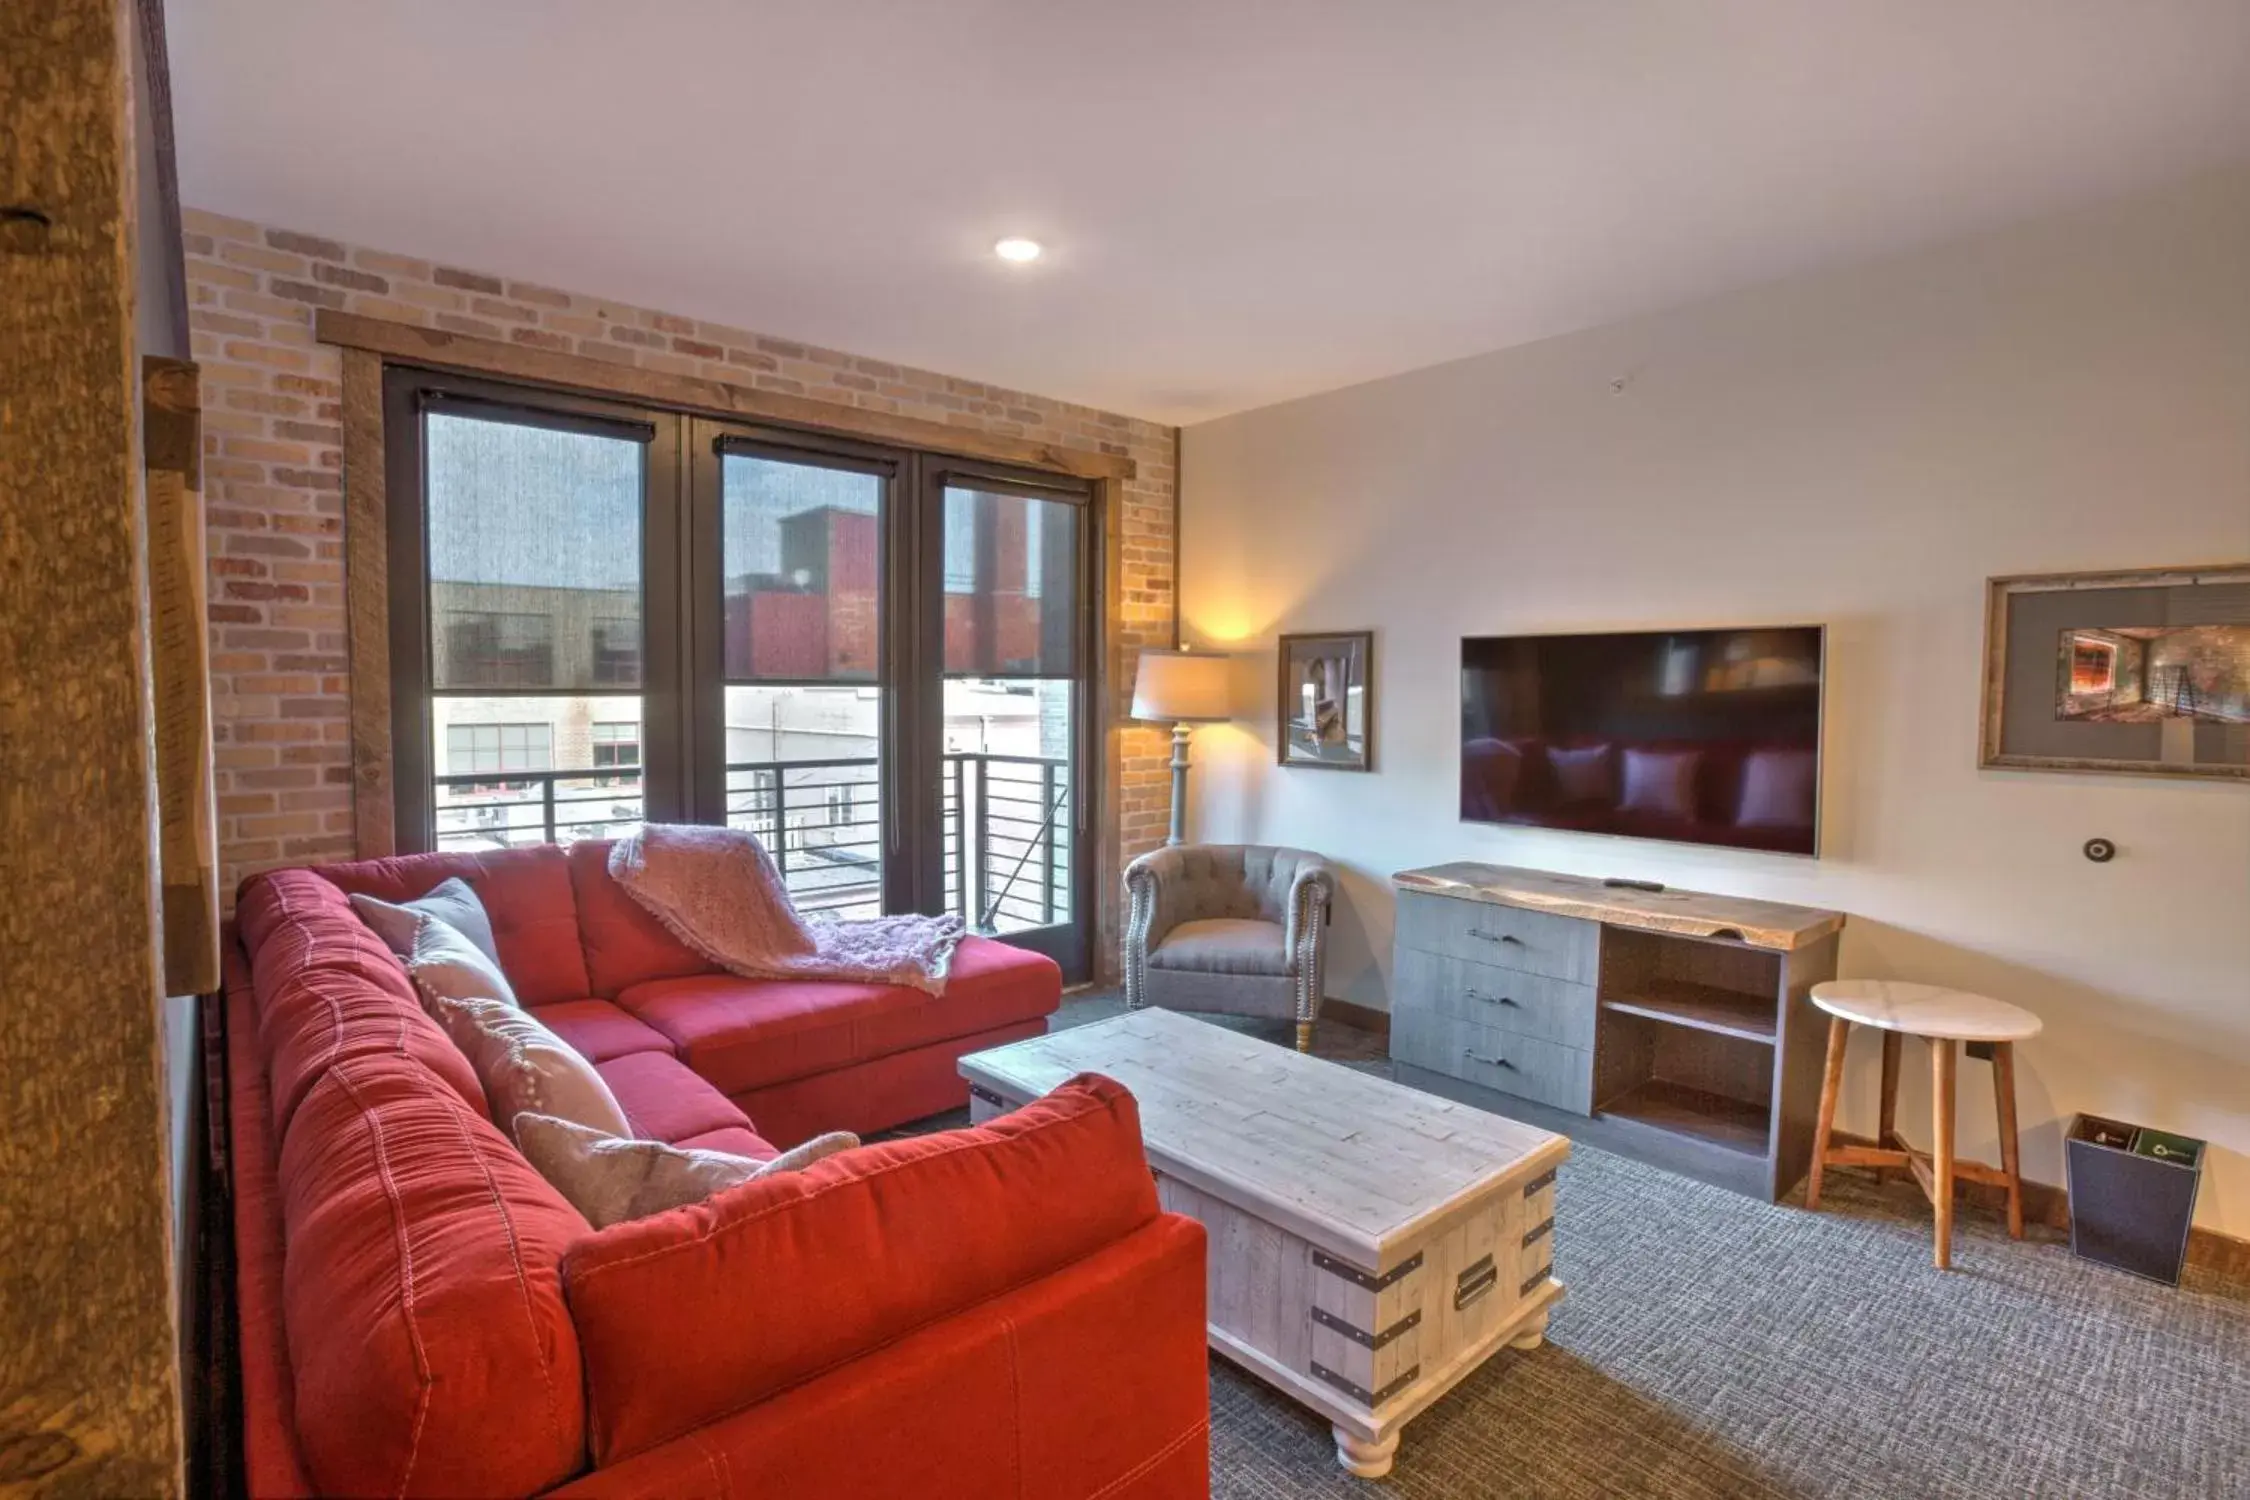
{"type": "Point", "coordinates": [1711, 1346]}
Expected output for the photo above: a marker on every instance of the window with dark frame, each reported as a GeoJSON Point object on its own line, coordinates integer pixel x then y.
{"type": "Point", "coordinates": [534, 525]}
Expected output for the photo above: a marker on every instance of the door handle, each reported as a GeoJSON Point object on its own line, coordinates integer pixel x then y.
{"type": "Point", "coordinates": [1495, 937]}
{"type": "Point", "coordinates": [1507, 1000]}
{"type": "Point", "coordinates": [1474, 1056]}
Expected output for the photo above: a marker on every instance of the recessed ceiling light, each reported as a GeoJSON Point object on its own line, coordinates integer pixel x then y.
{"type": "Point", "coordinates": [1018, 250]}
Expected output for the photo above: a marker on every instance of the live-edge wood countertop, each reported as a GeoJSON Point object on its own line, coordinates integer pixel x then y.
{"type": "Point", "coordinates": [1760, 924]}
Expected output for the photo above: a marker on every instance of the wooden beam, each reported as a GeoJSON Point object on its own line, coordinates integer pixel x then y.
{"type": "Point", "coordinates": [453, 351]}
{"type": "Point", "coordinates": [367, 605]}
{"type": "Point", "coordinates": [187, 811]}
{"type": "Point", "coordinates": [89, 1360]}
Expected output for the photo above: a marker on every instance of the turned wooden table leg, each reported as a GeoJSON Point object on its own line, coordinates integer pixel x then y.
{"type": "Point", "coordinates": [2004, 1094]}
{"type": "Point", "coordinates": [1831, 1084]}
{"type": "Point", "coordinates": [1532, 1334]}
{"type": "Point", "coordinates": [1366, 1460]}
{"type": "Point", "coordinates": [1942, 1053]}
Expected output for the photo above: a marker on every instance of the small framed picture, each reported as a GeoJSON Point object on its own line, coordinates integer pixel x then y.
{"type": "Point", "coordinates": [2145, 673]}
{"type": "Point", "coordinates": [1326, 712]}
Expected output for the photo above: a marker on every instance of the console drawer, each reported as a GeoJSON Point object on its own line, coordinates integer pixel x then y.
{"type": "Point", "coordinates": [1555, 1010]}
{"type": "Point", "coordinates": [1508, 936]}
{"type": "Point", "coordinates": [1527, 1066]}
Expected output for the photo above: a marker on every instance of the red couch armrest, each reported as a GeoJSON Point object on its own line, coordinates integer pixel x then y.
{"type": "Point", "coordinates": [701, 1312]}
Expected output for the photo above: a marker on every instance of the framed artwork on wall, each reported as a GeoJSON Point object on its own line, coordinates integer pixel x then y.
{"type": "Point", "coordinates": [1325, 713]}
{"type": "Point", "coordinates": [2144, 672]}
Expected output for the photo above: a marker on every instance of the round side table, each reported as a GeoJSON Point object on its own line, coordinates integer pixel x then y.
{"type": "Point", "coordinates": [1944, 1018]}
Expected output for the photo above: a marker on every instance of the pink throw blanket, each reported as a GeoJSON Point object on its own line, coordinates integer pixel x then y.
{"type": "Point", "coordinates": [716, 890]}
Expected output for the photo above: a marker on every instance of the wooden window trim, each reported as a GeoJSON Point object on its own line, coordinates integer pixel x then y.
{"type": "Point", "coordinates": [435, 348]}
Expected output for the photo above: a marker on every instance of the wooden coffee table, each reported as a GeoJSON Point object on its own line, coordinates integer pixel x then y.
{"type": "Point", "coordinates": [1370, 1245]}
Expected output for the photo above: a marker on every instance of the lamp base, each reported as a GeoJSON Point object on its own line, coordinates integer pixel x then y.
{"type": "Point", "coordinates": [1179, 786]}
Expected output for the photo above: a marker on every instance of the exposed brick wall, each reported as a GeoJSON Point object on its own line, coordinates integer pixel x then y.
{"type": "Point", "coordinates": [273, 488]}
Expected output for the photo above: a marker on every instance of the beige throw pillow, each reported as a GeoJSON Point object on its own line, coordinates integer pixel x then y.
{"type": "Point", "coordinates": [610, 1180]}
{"type": "Point", "coordinates": [524, 1067]}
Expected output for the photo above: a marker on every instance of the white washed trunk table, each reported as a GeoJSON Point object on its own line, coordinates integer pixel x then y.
{"type": "Point", "coordinates": [1370, 1244]}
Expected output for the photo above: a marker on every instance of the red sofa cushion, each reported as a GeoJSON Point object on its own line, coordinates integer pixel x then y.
{"type": "Point", "coordinates": [876, 1095]}
{"type": "Point", "coordinates": [432, 1351]}
{"type": "Point", "coordinates": [525, 891]}
{"type": "Point", "coordinates": [690, 1315]}
{"type": "Point", "coordinates": [328, 991]}
{"type": "Point", "coordinates": [599, 1031]}
{"type": "Point", "coordinates": [1088, 1382]}
{"type": "Point", "coordinates": [735, 1140]}
{"type": "Point", "coordinates": [745, 1034]}
{"type": "Point", "coordinates": [624, 944]}
{"type": "Point", "coordinates": [665, 1100]}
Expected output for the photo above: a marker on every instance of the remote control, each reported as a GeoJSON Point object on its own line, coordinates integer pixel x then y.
{"type": "Point", "coordinates": [1634, 885]}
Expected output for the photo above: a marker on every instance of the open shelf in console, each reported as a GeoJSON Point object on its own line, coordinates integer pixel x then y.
{"type": "Point", "coordinates": [1705, 1007]}
{"type": "Point", "coordinates": [1685, 1046]}
{"type": "Point", "coordinates": [1710, 1119]}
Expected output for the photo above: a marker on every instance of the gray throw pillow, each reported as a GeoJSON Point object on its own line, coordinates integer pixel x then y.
{"type": "Point", "coordinates": [451, 901]}
{"type": "Point", "coordinates": [445, 962]}
{"type": "Point", "coordinates": [610, 1179]}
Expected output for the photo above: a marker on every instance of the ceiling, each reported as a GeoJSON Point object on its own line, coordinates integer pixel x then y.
{"type": "Point", "coordinates": [1243, 200]}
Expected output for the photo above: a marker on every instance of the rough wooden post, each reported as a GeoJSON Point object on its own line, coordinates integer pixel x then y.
{"type": "Point", "coordinates": [89, 1373]}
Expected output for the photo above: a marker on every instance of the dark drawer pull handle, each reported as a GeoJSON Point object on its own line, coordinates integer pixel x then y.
{"type": "Point", "coordinates": [1475, 1282]}
{"type": "Point", "coordinates": [1474, 1056]}
{"type": "Point", "coordinates": [1507, 1000]}
{"type": "Point", "coordinates": [1495, 937]}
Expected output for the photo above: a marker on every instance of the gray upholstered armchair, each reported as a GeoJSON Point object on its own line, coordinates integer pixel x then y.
{"type": "Point", "coordinates": [1228, 927]}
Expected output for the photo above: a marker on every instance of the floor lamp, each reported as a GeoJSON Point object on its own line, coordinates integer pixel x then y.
{"type": "Point", "coordinates": [1180, 688]}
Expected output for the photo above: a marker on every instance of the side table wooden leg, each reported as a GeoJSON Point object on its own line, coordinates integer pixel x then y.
{"type": "Point", "coordinates": [2004, 1093]}
{"type": "Point", "coordinates": [1886, 1129]}
{"type": "Point", "coordinates": [1831, 1084]}
{"type": "Point", "coordinates": [1365, 1459]}
{"type": "Point", "coordinates": [1532, 1334]}
{"type": "Point", "coordinates": [1941, 1149]}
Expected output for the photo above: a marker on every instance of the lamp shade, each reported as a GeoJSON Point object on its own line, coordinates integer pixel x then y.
{"type": "Point", "coordinates": [1175, 687]}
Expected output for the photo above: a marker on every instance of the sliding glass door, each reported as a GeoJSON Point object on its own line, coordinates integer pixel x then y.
{"type": "Point", "coordinates": [1009, 561]}
{"type": "Point", "coordinates": [877, 660]}
{"type": "Point", "coordinates": [795, 698]}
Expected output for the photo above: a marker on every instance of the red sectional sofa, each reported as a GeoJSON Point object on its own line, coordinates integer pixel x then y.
{"type": "Point", "coordinates": [1001, 1311]}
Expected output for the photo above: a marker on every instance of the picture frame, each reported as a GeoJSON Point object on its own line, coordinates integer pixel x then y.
{"type": "Point", "coordinates": [2140, 672]}
{"type": "Point", "coordinates": [1324, 700]}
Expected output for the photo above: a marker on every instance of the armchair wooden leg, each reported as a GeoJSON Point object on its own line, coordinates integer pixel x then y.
{"type": "Point", "coordinates": [1304, 1036]}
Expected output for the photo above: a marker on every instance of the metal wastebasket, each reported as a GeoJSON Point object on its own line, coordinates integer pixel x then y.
{"type": "Point", "coordinates": [2132, 1195]}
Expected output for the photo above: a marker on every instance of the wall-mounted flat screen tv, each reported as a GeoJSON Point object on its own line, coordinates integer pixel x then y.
{"type": "Point", "coordinates": [1699, 736]}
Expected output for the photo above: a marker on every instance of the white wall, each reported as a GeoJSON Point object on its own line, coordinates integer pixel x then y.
{"type": "Point", "coordinates": [1862, 448]}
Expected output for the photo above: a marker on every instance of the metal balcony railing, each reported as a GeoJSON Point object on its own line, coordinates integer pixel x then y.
{"type": "Point", "coordinates": [1006, 820]}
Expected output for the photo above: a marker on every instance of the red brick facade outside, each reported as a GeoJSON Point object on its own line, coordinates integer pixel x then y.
{"type": "Point", "coordinates": [274, 495]}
